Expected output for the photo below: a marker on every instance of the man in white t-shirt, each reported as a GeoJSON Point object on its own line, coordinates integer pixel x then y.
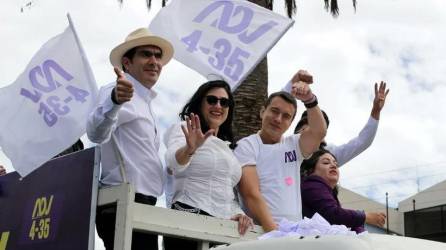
{"type": "Point", "coordinates": [270, 183]}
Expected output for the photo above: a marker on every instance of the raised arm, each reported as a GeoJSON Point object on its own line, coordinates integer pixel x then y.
{"type": "Point", "coordinates": [311, 138]}
{"type": "Point", "coordinates": [360, 143]}
{"type": "Point", "coordinates": [355, 146]}
{"type": "Point", "coordinates": [194, 139]}
{"type": "Point", "coordinates": [249, 189]}
{"type": "Point", "coordinates": [379, 100]}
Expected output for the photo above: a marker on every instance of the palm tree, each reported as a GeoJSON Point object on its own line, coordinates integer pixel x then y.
{"type": "Point", "coordinates": [253, 91]}
{"type": "Point", "coordinates": [290, 5]}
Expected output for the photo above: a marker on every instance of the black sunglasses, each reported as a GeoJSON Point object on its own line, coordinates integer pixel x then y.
{"type": "Point", "coordinates": [149, 53]}
{"type": "Point", "coordinates": [212, 100]}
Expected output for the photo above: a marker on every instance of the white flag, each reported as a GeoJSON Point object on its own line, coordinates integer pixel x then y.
{"type": "Point", "coordinates": [45, 110]}
{"type": "Point", "coordinates": [220, 37]}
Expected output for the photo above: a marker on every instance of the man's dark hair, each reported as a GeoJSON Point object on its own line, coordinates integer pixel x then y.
{"type": "Point", "coordinates": [129, 54]}
{"type": "Point", "coordinates": [194, 106]}
{"type": "Point", "coordinates": [285, 96]}
{"type": "Point", "coordinates": [304, 121]}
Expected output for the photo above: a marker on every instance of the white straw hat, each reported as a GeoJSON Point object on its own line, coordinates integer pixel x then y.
{"type": "Point", "coordinates": [141, 37]}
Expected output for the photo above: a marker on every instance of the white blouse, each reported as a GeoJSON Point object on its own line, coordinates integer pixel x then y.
{"type": "Point", "coordinates": [207, 182]}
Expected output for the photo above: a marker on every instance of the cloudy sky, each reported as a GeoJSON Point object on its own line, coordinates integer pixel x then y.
{"type": "Point", "coordinates": [399, 41]}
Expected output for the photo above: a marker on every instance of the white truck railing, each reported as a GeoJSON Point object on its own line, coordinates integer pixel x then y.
{"type": "Point", "coordinates": [131, 216]}
{"type": "Point", "coordinates": [204, 229]}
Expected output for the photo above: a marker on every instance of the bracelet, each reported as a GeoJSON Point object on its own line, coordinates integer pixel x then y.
{"type": "Point", "coordinates": [311, 103]}
{"type": "Point", "coordinates": [113, 97]}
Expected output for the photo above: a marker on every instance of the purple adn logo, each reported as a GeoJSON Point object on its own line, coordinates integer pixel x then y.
{"type": "Point", "coordinates": [290, 156]}
{"type": "Point", "coordinates": [43, 82]}
{"type": "Point", "coordinates": [226, 58]}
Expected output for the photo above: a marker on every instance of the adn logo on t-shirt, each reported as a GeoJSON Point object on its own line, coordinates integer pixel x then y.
{"type": "Point", "coordinates": [290, 156]}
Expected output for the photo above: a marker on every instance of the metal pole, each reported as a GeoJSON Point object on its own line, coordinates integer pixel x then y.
{"type": "Point", "coordinates": [387, 212]}
{"type": "Point", "coordinates": [414, 217]}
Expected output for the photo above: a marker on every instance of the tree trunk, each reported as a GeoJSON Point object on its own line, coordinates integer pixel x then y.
{"type": "Point", "coordinates": [250, 97]}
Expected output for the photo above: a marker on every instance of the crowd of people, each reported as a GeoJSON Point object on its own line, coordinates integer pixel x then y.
{"type": "Point", "coordinates": [259, 179]}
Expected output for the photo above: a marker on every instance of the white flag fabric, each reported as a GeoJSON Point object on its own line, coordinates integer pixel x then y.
{"type": "Point", "coordinates": [45, 110]}
{"type": "Point", "coordinates": [220, 38]}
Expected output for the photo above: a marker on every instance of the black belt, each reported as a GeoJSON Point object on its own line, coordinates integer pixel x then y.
{"type": "Point", "coordinates": [139, 198]}
{"type": "Point", "coordinates": [145, 199]}
{"type": "Point", "coordinates": [186, 208]}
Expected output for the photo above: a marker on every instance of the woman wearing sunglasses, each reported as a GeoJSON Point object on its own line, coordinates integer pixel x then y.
{"type": "Point", "coordinates": [199, 153]}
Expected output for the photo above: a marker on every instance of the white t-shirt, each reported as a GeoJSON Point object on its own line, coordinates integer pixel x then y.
{"type": "Point", "coordinates": [207, 181]}
{"type": "Point", "coordinates": [278, 168]}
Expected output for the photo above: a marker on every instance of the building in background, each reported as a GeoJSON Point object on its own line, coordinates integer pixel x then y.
{"type": "Point", "coordinates": [422, 215]}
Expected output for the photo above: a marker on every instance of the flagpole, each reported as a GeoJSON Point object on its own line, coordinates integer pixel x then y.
{"type": "Point", "coordinates": [92, 80]}
{"type": "Point", "coordinates": [93, 86]}
{"type": "Point", "coordinates": [86, 64]}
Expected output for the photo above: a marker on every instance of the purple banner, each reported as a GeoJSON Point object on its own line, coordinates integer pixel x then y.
{"type": "Point", "coordinates": [51, 207]}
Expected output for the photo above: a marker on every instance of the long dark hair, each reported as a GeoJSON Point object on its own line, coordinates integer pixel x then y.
{"type": "Point", "coordinates": [194, 106]}
{"type": "Point", "coordinates": [308, 166]}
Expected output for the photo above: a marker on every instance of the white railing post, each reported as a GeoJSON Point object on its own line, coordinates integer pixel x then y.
{"type": "Point", "coordinates": [123, 227]}
{"type": "Point", "coordinates": [203, 245]}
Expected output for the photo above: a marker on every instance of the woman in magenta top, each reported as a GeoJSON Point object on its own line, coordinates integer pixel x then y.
{"type": "Point", "coordinates": [320, 194]}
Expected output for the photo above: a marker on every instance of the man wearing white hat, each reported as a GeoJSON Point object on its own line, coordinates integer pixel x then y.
{"type": "Point", "coordinates": [124, 123]}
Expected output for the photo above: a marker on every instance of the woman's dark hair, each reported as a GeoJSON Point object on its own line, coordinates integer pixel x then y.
{"type": "Point", "coordinates": [194, 106]}
{"type": "Point", "coordinates": [308, 166]}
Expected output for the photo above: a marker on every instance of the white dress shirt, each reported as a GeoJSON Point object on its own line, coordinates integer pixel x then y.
{"type": "Point", "coordinates": [134, 127]}
{"type": "Point", "coordinates": [355, 146]}
{"type": "Point", "coordinates": [207, 182]}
